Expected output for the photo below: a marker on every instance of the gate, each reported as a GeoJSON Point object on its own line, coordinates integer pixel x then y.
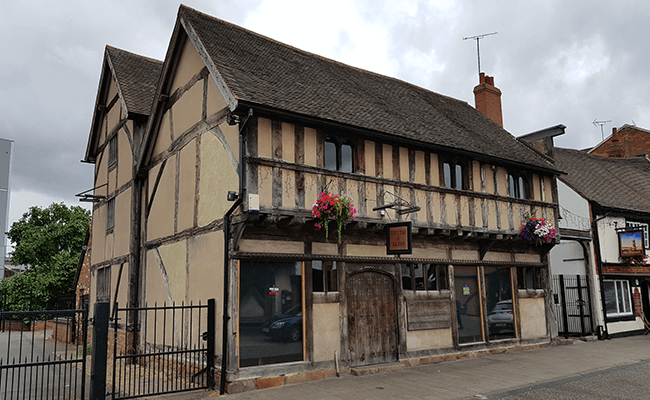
{"type": "Point", "coordinates": [572, 298]}
{"type": "Point", "coordinates": [43, 354]}
{"type": "Point", "coordinates": [171, 351]}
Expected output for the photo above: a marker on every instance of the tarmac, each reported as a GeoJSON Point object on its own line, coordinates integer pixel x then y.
{"type": "Point", "coordinates": [489, 377]}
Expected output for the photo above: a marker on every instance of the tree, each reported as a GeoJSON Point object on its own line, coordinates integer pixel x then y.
{"type": "Point", "coordinates": [49, 242]}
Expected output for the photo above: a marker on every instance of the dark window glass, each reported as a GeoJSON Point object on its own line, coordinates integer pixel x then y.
{"type": "Point", "coordinates": [516, 186]}
{"type": "Point", "coordinates": [104, 284]}
{"type": "Point", "coordinates": [521, 193]}
{"type": "Point", "coordinates": [325, 276]}
{"type": "Point", "coordinates": [112, 151]}
{"type": "Point", "coordinates": [270, 313]}
{"type": "Point", "coordinates": [407, 282]}
{"type": "Point", "coordinates": [453, 175]}
{"type": "Point", "coordinates": [330, 155]}
{"type": "Point", "coordinates": [423, 277]}
{"type": "Point", "coordinates": [498, 293]}
{"type": "Point", "coordinates": [110, 214]}
{"type": "Point", "coordinates": [346, 158]}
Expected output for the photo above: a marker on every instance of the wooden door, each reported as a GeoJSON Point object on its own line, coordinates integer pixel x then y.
{"type": "Point", "coordinates": [372, 318]}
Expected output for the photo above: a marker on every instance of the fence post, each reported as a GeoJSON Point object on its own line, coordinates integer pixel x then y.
{"type": "Point", "coordinates": [565, 318]}
{"type": "Point", "coordinates": [100, 347]}
{"type": "Point", "coordinates": [211, 345]}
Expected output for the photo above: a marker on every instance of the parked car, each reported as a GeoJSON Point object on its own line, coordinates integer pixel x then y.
{"type": "Point", "coordinates": [502, 317]}
{"type": "Point", "coordinates": [286, 326]}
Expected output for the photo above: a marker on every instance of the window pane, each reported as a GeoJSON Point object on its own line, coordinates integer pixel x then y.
{"type": "Point", "coordinates": [406, 277]}
{"type": "Point", "coordinates": [458, 177]}
{"type": "Point", "coordinates": [511, 186]}
{"type": "Point", "coordinates": [619, 297]}
{"type": "Point", "coordinates": [522, 194]}
{"type": "Point", "coordinates": [498, 287]}
{"type": "Point", "coordinates": [332, 277]}
{"type": "Point", "coordinates": [317, 276]}
{"type": "Point", "coordinates": [610, 297]}
{"type": "Point", "coordinates": [330, 155]}
{"type": "Point", "coordinates": [419, 276]}
{"type": "Point", "coordinates": [432, 277]}
{"type": "Point", "coordinates": [447, 173]}
{"type": "Point", "coordinates": [346, 158]}
{"type": "Point", "coordinates": [270, 313]}
{"type": "Point", "coordinates": [627, 307]}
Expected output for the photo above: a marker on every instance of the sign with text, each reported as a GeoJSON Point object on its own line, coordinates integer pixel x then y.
{"type": "Point", "coordinates": [398, 238]}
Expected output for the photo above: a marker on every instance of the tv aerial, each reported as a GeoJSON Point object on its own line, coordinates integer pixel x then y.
{"type": "Point", "coordinates": [478, 52]}
{"type": "Point", "coordinates": [601, 123]}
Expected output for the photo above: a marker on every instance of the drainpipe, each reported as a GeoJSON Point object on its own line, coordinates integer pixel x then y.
{"type": "Point", "coordinates": [226, 255]}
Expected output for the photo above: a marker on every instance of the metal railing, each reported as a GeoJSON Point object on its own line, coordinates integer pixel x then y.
{"type": "Point", "coordinates": [573, 305]}
{"type": "Point", "coordinates": [43, 354]}
{"type": "Point", "coordinates": [162, 349]}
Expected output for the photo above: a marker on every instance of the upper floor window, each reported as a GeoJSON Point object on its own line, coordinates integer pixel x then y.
{"type": "Point", "coordinates": [454, 175]}
{"type": "Point", "coordinates": [112, 152]}
{"type": "Point", "coordinates": [517, 186]}
{"type": "Point", "coordinates": [110, 214]}
{"type": "Point", "coordinates": [339, 155]}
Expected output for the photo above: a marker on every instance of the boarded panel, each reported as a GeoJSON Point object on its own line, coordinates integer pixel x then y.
{"type": "Point", "coordinates": [428, 314]}
{"type": "Point", "coordinates": [372, 333]}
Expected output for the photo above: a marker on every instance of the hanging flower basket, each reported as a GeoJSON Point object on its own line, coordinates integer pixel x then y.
{"type": "Point", "coordinates": [637, 261]}
{"type": "Point", "coordinates": [537, 230]}
{"type": "Point", "coordinates": [333, 207]}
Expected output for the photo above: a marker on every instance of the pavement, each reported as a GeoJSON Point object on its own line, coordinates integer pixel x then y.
{"type": "Point", "coordinates": [507, 375]}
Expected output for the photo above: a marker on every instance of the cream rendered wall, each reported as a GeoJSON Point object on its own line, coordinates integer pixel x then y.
{"type": "Point", "coordinates": [310, 147]}
{"type": "Point", "coordinates": [122, 291]}
{"type": "Point", "coordinates": [98, 235]}
{"type": "Point", "coordinates": [122, 229]}
{"type": "Point", "coordinates": [125, 158]}
{"type": "Point", "coordinates": [187, 110]}
{"type": "Point", "coordinates": [387, 159]}
{"type": "Point", "coordinates": [428, 339]}
{"type": "Point", "coordinates": [533, 318]}
{"type": "Point", "coordinates": [420, 175]}
{"type": "Point", "coordinates": [101, 175]}
{"type": "Point", "coordinates": [608, 238]}
{"type": "Point", "coordinates": [173, 257]}
{"type": "Point", "coordinates": [264, 142]}
{"type": "Point", "coordinates": [404, 173]}
{"type": "Point", "coordinates": [163, 138]}
{"type": "Point", "coordinates": [161, 218]}
{"type": "Point", "coordinates": [187, 186]}
{"type": "Point", "coordinates": [327, 336]}
{"type": "Point", "coordinates": [216, 102]}
{"type": "Point", "coordinates": [189, 64]}
{"type": "Point", "coordinates": [217, 177]}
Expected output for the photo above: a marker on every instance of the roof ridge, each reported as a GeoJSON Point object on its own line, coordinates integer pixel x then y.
{"type": "Point", "coordinates": [113, 48]}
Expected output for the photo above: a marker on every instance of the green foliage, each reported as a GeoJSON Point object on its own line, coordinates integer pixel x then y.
{"type": "Point", "coordinates": [49, 242]}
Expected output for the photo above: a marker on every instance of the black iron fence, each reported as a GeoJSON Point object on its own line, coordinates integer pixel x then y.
{"type": "Point", "coordinates": [162, 349]}
{"type": "Point", "coordinates": [43, 354]}
{"type": "Point", "coordinates": [572, 298]}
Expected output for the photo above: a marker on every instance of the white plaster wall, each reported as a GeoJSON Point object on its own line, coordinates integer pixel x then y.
{"type": "Point", "coordinates": [577, 207]}
{"type": "Point", "coordinates": [608, 238]}
{"type": "Point", "coordinates": [561, 257]}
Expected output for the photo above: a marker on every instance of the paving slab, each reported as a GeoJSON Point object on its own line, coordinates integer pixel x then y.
{"type": "Point", "coordinates": [473, 378]}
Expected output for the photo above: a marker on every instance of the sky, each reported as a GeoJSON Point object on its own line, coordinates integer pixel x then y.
{"type": "Point", "coordinates": [556, 62]}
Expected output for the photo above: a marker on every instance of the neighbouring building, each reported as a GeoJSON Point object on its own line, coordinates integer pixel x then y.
{"type": "Point", "coordinates": [207, 166]}
{"type": "Point", "coordinates": [605, 211]}
{"type": "Point", "coordinates": [626, 141]}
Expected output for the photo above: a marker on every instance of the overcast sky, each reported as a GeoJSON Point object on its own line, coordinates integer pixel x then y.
{"type": "Point", "coordinates": [556, 62]}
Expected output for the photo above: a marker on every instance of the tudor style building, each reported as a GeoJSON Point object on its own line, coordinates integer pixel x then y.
{"type": "Point", "coordinates": [238, 117]}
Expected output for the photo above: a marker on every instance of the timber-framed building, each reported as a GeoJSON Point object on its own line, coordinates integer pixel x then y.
{"type": "Point", "coordinates": [214, 187]}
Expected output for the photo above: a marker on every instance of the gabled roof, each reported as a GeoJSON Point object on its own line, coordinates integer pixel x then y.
{"type": "Point", "coordinates": [252, 70]}
{"type": "Point", "coordinates": [620, 183]}
{"type": "Point", "coordinates": [136, 78]}
{"type": "Point", "coordinates": [619, 130]}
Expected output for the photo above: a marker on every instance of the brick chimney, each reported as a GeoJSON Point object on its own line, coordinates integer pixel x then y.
{"type": "Point", "coordinates": [488, 98]}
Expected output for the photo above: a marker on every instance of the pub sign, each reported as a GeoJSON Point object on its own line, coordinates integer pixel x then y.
{"type": "Point", "coordinates": [398, 238]}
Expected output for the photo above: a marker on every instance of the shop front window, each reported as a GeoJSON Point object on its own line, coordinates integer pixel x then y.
{"type": "Point", "coordinates": [270, 313]}
{"type": "Point", "coordinates": [498, 295]}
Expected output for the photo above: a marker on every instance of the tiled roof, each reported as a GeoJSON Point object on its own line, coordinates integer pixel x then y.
{"type": "Point", "coordinates": [137, 77]}
{"type": "Point", "coordinates": [261, 71]}
{"type": "Point", "coordinates": [622, 183]}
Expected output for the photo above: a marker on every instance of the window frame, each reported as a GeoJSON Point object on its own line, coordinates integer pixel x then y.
{"type": "Point", "coordinates": [454, 164]}
{"type": "Point", "coordinates": [628, 301]}
{"type": "Point", "coordinates": [521, 189]}
{"type": "Point", "coordinates": [338, 143]}
{"type": "Point", "coordinates": [112, 152]}
{"type": "Point", "coordinates": [533, 275]}
{"type": "Point", "coordinates": [441, 271]}
{"type": "Point", "coordinates": [329, 278]}
{"type": "Point", "coordinates": [110, 215]}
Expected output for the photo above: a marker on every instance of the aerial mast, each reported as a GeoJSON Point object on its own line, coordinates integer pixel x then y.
{"type": "Point", "coordinates": [478, 51]}
{"type": "Point", "coordinates": [601, 123]}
